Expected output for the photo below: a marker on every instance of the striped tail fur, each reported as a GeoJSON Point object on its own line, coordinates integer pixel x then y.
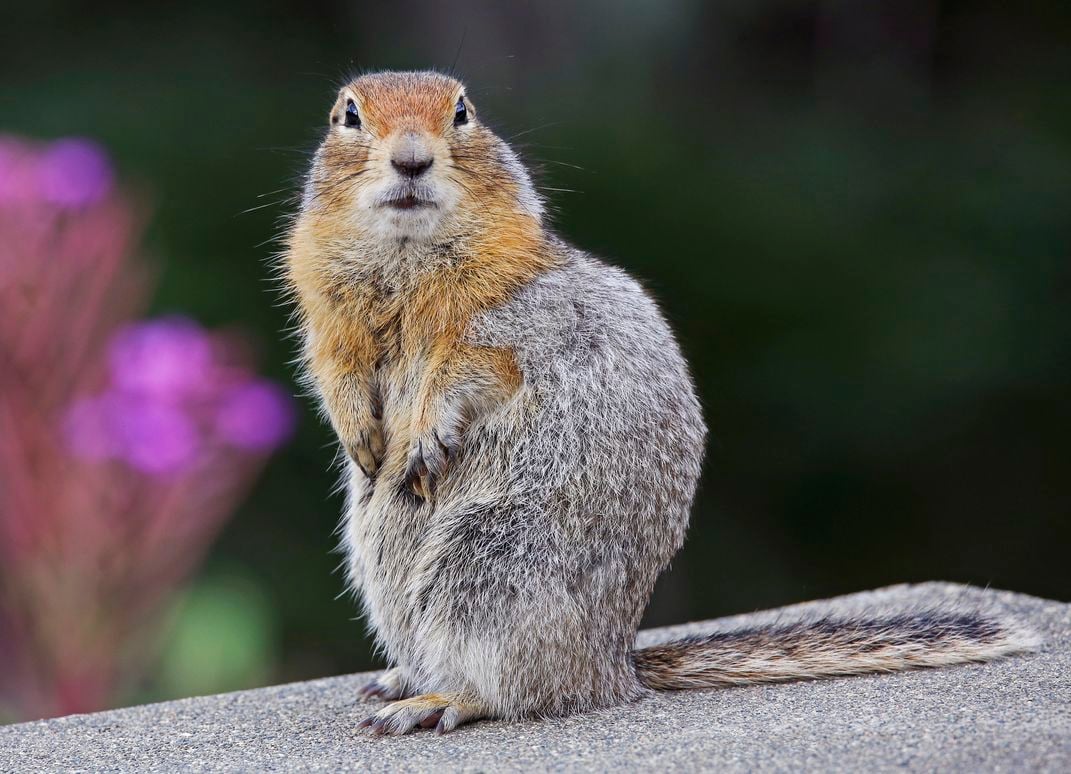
{"type": "Point", "coordinates": [828, 647]}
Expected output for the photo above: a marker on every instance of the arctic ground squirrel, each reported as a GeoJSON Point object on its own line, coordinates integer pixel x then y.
{"type": "Point", "coordinates": [522, 438]}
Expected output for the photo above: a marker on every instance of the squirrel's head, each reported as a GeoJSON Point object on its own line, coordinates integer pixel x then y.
{"type": "Point", "coordinates": [406, 158]}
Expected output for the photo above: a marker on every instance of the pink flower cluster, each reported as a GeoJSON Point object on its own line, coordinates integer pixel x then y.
{"type": "Point", "coordinates": [172, 395]}
{"type": "Point", "coordinates": [125, 444]}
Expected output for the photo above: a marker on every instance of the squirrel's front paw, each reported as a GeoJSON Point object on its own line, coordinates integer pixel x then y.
{"type": "Point", "coordinates": [429, 458]}
{"type": "Point", "coordinates": [366, 447]}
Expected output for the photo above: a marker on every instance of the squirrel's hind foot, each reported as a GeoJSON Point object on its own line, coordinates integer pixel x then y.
{"type": "Point", "coordinates": [388, 686]}
{"type": "Point", "coordinates": [441, 711]}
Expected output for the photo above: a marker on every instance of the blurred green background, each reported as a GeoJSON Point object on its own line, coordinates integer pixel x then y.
{"type": "Point", "coordinates": [857, 216]}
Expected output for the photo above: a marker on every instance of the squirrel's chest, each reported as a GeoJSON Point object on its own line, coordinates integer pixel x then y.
{"type": "Point", "coordinates": [389, 333]}
{"type": "Point", "coordinates": [401, 326]}
{"type": "Point", "coordinates": [400, 345]}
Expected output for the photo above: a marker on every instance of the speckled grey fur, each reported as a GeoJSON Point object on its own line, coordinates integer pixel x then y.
{"type": "Point", "coordinates": [525, 583]}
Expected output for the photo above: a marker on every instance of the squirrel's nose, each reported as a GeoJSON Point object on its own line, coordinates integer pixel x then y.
{"type": "Point", "coordinates": [410, 166]}
{"type": "Point", "coordinates": [410, 154]}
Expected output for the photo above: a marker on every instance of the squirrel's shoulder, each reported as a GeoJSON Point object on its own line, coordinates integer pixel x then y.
{"type": "Point", "coordinates": [581, 294]}
{"type": "Point", "coordinates": [578, 277]}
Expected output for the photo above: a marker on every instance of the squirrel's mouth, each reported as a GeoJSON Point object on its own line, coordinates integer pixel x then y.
{"type": "Point", "coordinates": [407, 202]}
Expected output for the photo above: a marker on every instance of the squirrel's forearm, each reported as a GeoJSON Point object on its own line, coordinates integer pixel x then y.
{"type": "Point", "coordinates": [342, 359]}
{"type": "Point", "coordinates": [471, 379]}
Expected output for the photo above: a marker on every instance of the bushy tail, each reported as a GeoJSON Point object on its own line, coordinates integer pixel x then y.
{"type": "Point", "coordinates": [828, 647]}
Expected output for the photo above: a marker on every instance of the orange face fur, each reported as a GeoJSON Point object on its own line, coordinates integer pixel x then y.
{"type": "Point", "coordinates": [405, 158]}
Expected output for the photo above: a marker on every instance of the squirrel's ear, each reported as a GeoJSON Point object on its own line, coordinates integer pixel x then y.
{"type": "Point", "coordinates": [337, 116]}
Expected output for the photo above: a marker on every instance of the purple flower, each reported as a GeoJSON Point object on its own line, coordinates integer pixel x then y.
{"type": "Point", "coordinates": [148, 435]}
{"type": "Point", "coordinates": [170, 358]}
{"type": "Point", "coordinates": [156, 438]}
{"type": "Point", "coordinates": [174, 398]}
{"type": "Point", "coordinates": [74, 173]}
{"type": "Point", "coordinates": [257, 415]}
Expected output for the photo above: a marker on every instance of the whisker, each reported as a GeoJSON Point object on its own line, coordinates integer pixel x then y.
{"type": "Point", "coordinates": [258, 207]}
{"type": "Point", "coordinates": [535, 129]}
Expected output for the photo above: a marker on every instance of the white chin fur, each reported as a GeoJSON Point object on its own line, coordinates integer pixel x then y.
{"type": "Point", "coordinates": [417, 223]}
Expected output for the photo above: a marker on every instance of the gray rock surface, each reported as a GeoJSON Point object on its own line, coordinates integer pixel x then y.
{"type": "Point", "coordinates": [1013, 715]}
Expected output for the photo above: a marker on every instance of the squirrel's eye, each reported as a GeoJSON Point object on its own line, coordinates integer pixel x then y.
{"type": "Point", "coordinates": [461, 113]}
{"type": "Point", "coordinates": [352, 119]}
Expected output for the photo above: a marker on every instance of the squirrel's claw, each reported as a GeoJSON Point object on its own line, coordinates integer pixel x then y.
{"type": "Point", "coordinates": [390, 686]}
{"type": "Point", "coordinates": [372, 689]}
{"type": "Point", "coordinates": [429, 458]}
